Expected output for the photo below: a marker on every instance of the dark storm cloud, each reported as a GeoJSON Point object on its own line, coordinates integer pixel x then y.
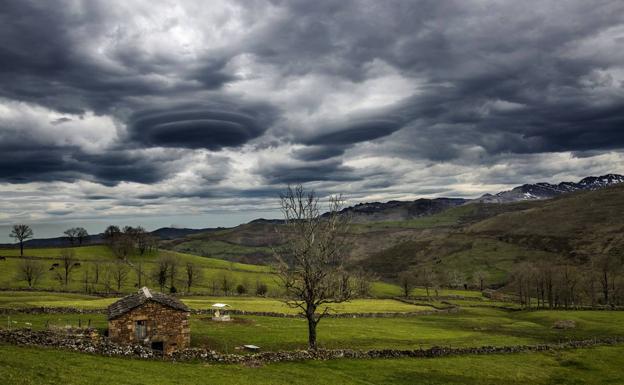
{"type": "Point", "coordinates": [496, 75]}
{"type": "Point", "coordinates": [356, 132]}
{"type": "Point", "coordinates": [46, 164]}
{"type": "Point", "coordinates": [45, 59]}
{"type": "Point", "coordinates": [492, 82]}
{"type": "Point", "coordinates": [313, 153]}
{"type": "Point", "coordinates": [200, 126]}
{"type": "Point", "coordinates": [113, 167]}
{"type": "Point", "coordinates": [288, 173]}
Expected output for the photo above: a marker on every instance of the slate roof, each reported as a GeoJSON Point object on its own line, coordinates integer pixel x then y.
{"type": "Point", "coordinates": [137, 299]}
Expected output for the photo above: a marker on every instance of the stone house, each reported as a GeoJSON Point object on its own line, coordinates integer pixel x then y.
{"type": "Point", "coordinates": [149, 318]}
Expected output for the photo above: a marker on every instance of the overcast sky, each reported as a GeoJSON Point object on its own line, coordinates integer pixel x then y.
{"type": "Point", "coordinates": [198, 113]}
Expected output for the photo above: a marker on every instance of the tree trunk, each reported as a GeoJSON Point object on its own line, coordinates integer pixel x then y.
{"type": "Point", "coordinates": [605, 287]}
{"type": "Point", "coordinates": [311, 332]}
{"type": "Point", "coordinates": [21, 248]}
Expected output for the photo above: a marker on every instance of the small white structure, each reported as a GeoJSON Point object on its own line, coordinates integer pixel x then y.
{"type": "Point", "coordinates": [220, 312]}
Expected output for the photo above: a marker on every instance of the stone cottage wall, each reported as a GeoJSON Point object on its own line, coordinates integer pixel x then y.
{"type": "Point", "coordinates": [164, 324]}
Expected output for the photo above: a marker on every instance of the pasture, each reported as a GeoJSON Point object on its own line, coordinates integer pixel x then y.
{"type": "Point", "coordinates": [471, 326]}
{"type": "Point", "coordinates": [38, 366]}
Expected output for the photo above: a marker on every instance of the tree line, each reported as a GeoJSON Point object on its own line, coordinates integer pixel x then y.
{"type": "Point", "coordinates": [560, 283]}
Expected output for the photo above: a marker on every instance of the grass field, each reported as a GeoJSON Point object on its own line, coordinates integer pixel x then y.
{"type": "Point", "coordinates": [20, 299]}
{"type": "Point", "coordinates": [601, 365]}
{"type": "Point", "coordinates": [470, 327]}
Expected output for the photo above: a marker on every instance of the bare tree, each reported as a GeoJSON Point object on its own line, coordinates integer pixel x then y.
{"type": "Point", "coordinates": [173, 274]}
{"type": "Point", "coordinates": [86, 276]}
{"type": "Point", "coordinates": [166, 269]}
{"type": "Point", "coordinates": [111, 234]}
{"type": "Point", "coordinates": [123, 246]}
{"type": "Point", "coordinates": [67, 264]}
{"type": "Point", "coordinates": [214, 286]}
{"type": "Point", "coordinates": [407, 281]}
{"type": "Point", "coordinates": [363, 281]}
{"type": "Point", "coordinates": [71, 235]}
{"type": "Point", "coordinates": [81, 235]}
{"type": "Point", "coordinates": [145, 242]}
{"type": "Point", "coordinates": [480, 277]}
{"type": "Point", "coordinates": [21, 233]}
{"type": "Point", "coordinates": [107, 280]}
{"type": "Point", "coordinates": [138, 269]}
{"type": "Point", "coordinates": [192, 274]}
{"type": "Point", "coordinates": [426, 278]}
{"type": "Point", "coordinates": [606, 268]}
{"type": "Point", "coordinates": [120, 273]}
{"type": "Point", "coordinates": [311, 262]}
{"type": "Point", "coordinates": [30, 271]}
{"type": "Point", "coordinates": [96, 272]}
{"type": "Point", "coordinates": [226, 283]}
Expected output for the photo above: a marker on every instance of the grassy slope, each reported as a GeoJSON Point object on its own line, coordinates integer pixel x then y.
{"type": "Point", "coordinates": [493, 238]}
{"type": "Point", "coordinates": [586, 222]}
{"type": "Point", "coordinates": [213, 270]}
{"type": "Point", "coordinates": [26, 366]}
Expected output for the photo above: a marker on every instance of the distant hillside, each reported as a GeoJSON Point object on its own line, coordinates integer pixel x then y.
{"type": "Point", "coordinates": [174, 232]}
{"type": "Point", "coordinates": [400, 210]}
{"type": "Point", "coordinates": [464, 237]}
{"type": "Point", "coordinates": [162, 233]}
{"type": "Point", "coordinates": [583, 223]}
{"type": "Point", "coordinates": [546, 190]}
{"type": "Point", "coordinates": [573, 226]}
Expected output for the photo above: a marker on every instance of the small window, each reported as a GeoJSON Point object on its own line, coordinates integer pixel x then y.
{"type": "Point", "coordinates": [140, 328]}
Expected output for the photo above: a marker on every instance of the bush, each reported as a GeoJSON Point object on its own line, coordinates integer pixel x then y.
{"type": "Point", "coordinates": [261, 289]}
{"type": "Point", "coordinates": [241, 289]}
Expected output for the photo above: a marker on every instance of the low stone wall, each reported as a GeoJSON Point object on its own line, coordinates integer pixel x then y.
{"type": "Point", "coordinates": [333, 315]}
{"type": "Point", "coordinates": [73, 310]}
{"type": "Point", "coordinates": [88, 341]}
{"type": "Point", "coordinates": [50, 310]}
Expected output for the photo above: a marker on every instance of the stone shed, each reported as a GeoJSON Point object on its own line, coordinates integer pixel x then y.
{"type": "Point", "coordinates": [150, 318]}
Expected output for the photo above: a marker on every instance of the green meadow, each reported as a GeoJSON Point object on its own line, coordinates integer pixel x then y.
{"type": "Point", "coordinates": [37, 366]}
{"type": "Point", "coordinates": [468, 327]}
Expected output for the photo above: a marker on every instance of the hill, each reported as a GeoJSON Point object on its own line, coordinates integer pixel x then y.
{"type": "Point", "coordinates": [573, 226]}
{"type": "Point", "coordinates": [462, 240]}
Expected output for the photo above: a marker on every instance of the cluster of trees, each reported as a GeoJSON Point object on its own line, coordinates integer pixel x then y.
{"type": "Point", "coordinates": [129, 240]}
{"type": "Point", "coordinates": [563, 284]}
{"type": "Point", "coordinates": [76, 235]}
{"type": "Point", "coordinates": [432, 280]}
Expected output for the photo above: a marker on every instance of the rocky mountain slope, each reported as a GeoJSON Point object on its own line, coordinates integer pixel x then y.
{"type": "Point", "coordinates": [546, 190]}
{"type": "Point", "coordinates": [400, 210]}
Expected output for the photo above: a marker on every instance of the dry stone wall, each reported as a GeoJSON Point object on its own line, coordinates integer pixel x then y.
{"type": "Point", "coordinates": [88, 341]}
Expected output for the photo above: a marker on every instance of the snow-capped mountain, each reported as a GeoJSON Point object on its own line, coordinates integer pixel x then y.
{"type": "Point", "coordinates": [546, 190]}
